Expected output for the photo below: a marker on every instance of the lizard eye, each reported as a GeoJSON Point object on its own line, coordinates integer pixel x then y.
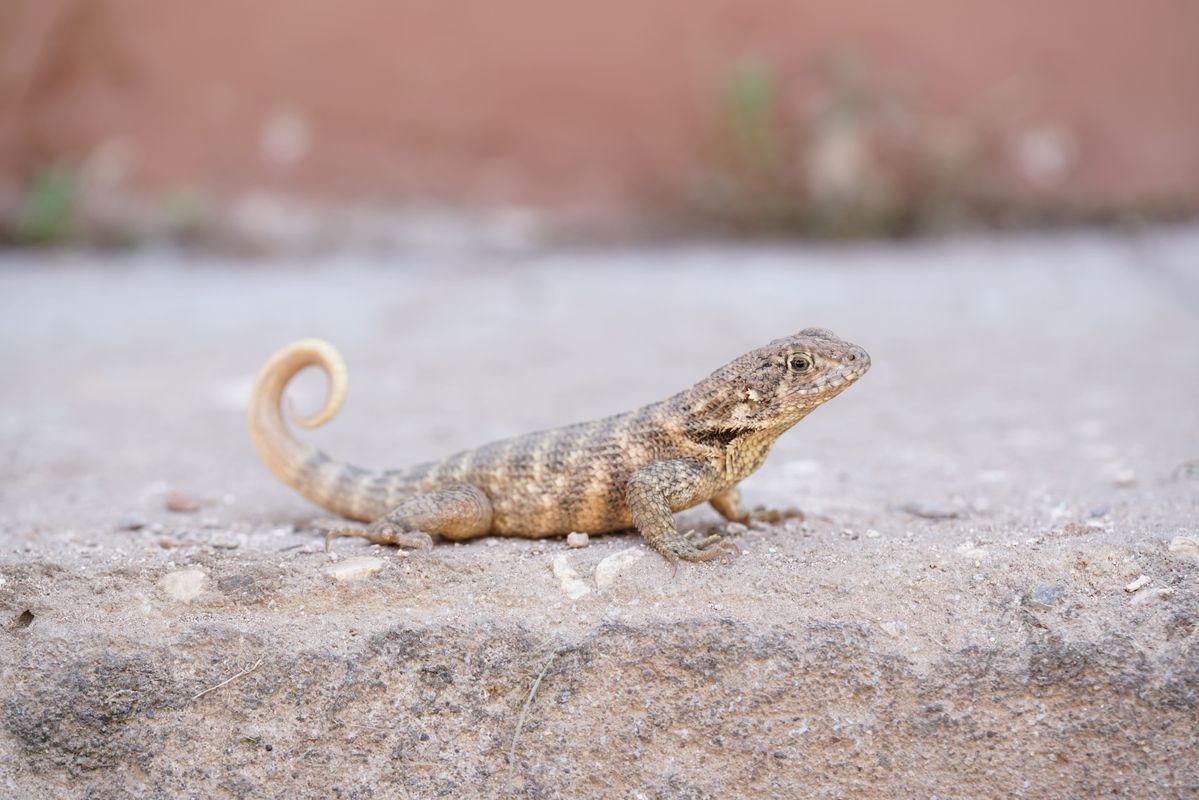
{"type": "Point", "coordinates": [800, 362]}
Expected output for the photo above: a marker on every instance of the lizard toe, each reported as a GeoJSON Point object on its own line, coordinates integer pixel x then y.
{"type": "Point", "coordinates": [761, 514]}
{"type": "Point", "coordinates": [714, 547]}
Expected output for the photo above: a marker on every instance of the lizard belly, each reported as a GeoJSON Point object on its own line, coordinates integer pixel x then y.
{"type": "Point", "coordinates": [558, 506]}
{"type": "Point", "coordinates": [535, 514]}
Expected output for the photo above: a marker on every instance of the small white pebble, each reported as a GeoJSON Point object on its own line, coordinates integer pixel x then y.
{"type": "Point", "coordinates": [735, 528]}
{"type": "Point", "coordinates": [576, 539]}
{"type": "Point", "coordinates": [607, 570]}
{"type": "Point", "coordinates": [871, 533]}
{"type": "Point", "coordinates": [354, 569]}
{"type": "Point", "coordinates": [570, 581]}
{"type": "Point", "coordinates": [1124, 478]}
{"type": "Point", "coordinates": [1137, 584]}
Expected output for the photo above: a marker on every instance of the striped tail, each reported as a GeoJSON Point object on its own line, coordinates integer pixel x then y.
{"type": "Point", "coordinates": [338, 487]}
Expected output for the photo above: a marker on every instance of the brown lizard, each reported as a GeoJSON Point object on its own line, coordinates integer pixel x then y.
{"type": "Point", "coordinates": [630, 470]}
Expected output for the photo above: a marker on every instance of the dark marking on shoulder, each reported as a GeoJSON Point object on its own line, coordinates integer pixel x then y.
{"type": "Point", "coordinates": [719, 437]}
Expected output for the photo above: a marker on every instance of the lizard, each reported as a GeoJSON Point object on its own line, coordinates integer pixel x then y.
{"type": "Point", "coordinates": [630, 470]}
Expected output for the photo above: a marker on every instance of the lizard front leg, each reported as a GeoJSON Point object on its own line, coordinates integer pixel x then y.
{"type": "Point", "coordinates": [728, 505]}
{"type": "Point", "coordinates": [455, 512]}
{"type": "Point", "coordinates": [652, 495]}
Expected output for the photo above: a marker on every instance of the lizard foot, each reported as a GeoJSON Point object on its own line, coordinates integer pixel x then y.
{"type": "Point", "coordinates": [706, 549]}
{"type": "Point", "coordinates": [383, 533]}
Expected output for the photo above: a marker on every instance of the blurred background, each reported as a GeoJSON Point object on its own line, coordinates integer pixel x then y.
{"type": "Point", "coordinates": [517, 215]}
{"type": "Point", "coordinates": [300, 123]}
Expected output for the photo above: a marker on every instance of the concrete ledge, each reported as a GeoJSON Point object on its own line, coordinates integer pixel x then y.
{"type": "Point", "coordinates": [277, 681]}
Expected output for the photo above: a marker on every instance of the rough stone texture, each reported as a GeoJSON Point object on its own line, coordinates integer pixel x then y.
{"type": "Point", "coordinates": [951, 619]}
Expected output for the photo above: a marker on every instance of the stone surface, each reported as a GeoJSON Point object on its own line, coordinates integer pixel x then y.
{"type": "Point", "coordinates": [819, 664]}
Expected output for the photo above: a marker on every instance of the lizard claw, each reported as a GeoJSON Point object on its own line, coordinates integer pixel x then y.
{"type": "Point", "coordinates": [708, 549]}
{"type": "Point", "coordinates": [335, 533]}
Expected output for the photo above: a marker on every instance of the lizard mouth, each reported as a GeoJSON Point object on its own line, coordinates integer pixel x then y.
{"type": "Point", "coordinates": [838, 381]}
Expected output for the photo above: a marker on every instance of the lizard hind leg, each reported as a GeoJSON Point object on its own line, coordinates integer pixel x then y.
{"type": "Point", "coordinates": [728, 504]}
{"type": "Point", "coordinates": [454, 512]}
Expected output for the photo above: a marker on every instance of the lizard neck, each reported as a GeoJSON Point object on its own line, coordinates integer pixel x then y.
{"type": "Point", "coordinates": [745, 454]}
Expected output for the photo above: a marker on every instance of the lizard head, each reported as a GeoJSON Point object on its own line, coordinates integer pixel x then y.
{"type": "Point", "coordinates": [775, 386]}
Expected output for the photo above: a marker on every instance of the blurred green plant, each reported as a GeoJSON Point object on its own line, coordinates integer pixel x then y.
{"type": "Point", "coordinates": [46, 214]}
{"type": "Point", "coordinates": [750, 186]}
{"type": "Point", "coordinates": [184, 214]}
{"type": "Point", "coordinates": [752, 111]}
{"type": "Point", "coordinates": [855, 163]}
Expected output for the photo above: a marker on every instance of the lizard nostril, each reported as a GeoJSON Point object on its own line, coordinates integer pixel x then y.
{"type": "Point", "coordinates": [852, 357]}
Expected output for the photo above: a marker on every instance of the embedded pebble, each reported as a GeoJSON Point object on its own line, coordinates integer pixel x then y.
{"type": "Point", "coordinates": [182, 502]}
{"type": "Point", "coordinates": [1150, 596]}
{"type": "Point", "coordinates": [735, 528]}
{"type": "Point", "coordinates": [132, 522]}
{"type": "Point", "coordinates": [926, 511]}
{"type": "Point", "coordinates": [871, 533]}
{"type": "Point", "coordinates": [1137, 584]}
{"type": "Point", "coordinates": [226, 542]}
{"type": "Point", "coordinates": [1046, 594]}
{"type": "Point", "coordinates": [1185, 547]}
{"type": "Point", "coordinates": [577, 539]}
{"type": "Point", "coordinates": [970, 550]}
{"type": "Point", "coordinates": [354, 569]}
{"type": "Point", "coordinates": [183, 585]}
{"type": "Point", "coordinates": [893, 627]}
{"type": "Point", "coordinates": [569, 579]}
{"type": "Point", "coordinates": [1124, 478]}
{"type": "Point", "coordinates": [608, 570]}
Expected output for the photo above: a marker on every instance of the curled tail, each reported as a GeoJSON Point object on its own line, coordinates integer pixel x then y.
{"type": "Point", "coordinates": [333, 485]}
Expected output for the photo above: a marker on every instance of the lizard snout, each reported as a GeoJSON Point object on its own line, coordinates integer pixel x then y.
{"type": "Point", "coordinates": [856, 358]}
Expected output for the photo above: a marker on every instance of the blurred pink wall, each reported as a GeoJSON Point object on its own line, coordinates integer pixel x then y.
{"type": "Point", "coordinates": [592, 104]}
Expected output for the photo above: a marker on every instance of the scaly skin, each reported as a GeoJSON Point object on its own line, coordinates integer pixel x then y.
{"type": "Point", "coordinates": [630, 470]}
